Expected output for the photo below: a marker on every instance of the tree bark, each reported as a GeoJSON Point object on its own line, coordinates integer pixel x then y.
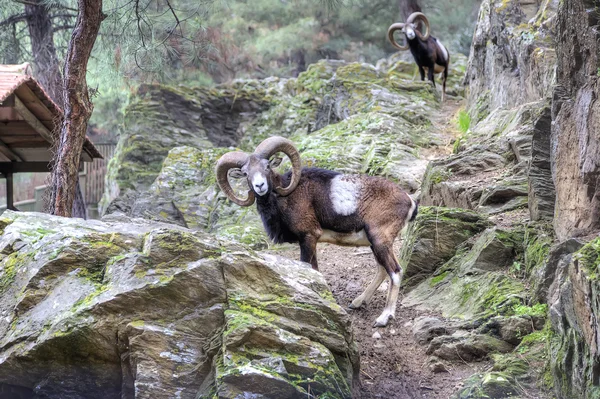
{"type": "Point", "coordinates": [77, 106]}
{"type": "Point", "coordinates": [45, 61]}
{"type": "Point", "coordinates": [407, 7]}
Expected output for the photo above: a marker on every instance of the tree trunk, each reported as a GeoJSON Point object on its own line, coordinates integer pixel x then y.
{"type": "Point", "coordinates": [78, 107]}
{"type": "Point", "coordinates": [13, 49]}
{"type": "Point", "coordinates": [45, 61]}
{"type": "Point", "coordinates": [407, 7]}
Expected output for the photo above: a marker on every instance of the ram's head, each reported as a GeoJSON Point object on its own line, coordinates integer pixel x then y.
{"type": "Point", "coordinates": [257, 168]}
{"type": "Point", "coordinates": [410, 30]}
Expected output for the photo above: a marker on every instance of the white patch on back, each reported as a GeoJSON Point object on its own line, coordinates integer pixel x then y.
{"type": "Point", "coordinates": [257, 180]}
{"type": "Point", "coordinates": [444, 51]}
{"type": "Point", "coordinates": [345, 194]}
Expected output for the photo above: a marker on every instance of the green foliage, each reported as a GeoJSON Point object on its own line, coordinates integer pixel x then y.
{"type": "Point", "coordinates": [463, 123]}
{"type": "Point", "coordinates": [463, 120]}
{"type": "Point", "coordinates": [589, 258]}
{"type": "Point", "coordinates": [537, 310]}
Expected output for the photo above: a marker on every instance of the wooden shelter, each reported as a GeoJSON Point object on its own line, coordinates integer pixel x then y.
{"type": "Point", "coordinates": [29, 122]}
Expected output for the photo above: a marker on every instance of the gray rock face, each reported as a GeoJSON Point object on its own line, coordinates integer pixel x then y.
{"type": "Point", "coordinates": [510, 63]}
{"type": "Point", "coordinates": [137, 309]}
{"type": "Point", "coordinates": [576, 117]}
{"type": "Point", "coordinates": [542, 193]}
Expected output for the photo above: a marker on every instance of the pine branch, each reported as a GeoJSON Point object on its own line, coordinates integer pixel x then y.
{"type": "Point", "coordinates": [56, 5]}
{"type": "Point", "coordinates": [13, 20]}
{"type": "Point", "coordinates": [62, 27]}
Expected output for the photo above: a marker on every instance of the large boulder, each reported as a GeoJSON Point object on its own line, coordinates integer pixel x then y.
{"type": "Point", "coordinates": [472, 284]}
{"type": "Point", "coordinates": [135, 309]}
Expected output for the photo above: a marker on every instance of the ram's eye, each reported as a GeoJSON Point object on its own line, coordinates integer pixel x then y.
{"type": "Point", "coordinates": [245, 174]}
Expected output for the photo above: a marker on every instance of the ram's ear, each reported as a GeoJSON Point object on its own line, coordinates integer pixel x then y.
{"type": "Point", "coordinates": [275, 162]}
{"type": "Point", "coordinates": [236, 173]}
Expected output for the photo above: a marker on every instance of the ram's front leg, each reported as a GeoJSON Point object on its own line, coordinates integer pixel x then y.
{"type": "Point", "coordinates": [366, 296]}
{"type": "Point", "coordinates": [308, 250]}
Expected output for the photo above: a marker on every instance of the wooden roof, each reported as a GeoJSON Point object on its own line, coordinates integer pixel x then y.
{"type": "Point", "coordinates": [28, 118]}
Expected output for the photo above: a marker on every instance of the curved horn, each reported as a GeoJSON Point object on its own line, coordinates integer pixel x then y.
{"type": "Point", "coordinates": [276, 144]}
{"type": "Point", "coordinates": [392, 29]}
{"type": "Point", "coordinates": [235, 159]}
{"type": "Point", "coordinates": [419, 16]}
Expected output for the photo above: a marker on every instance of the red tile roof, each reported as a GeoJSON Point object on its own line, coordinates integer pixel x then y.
{"type": "Point", "coordinates": [11, 81]}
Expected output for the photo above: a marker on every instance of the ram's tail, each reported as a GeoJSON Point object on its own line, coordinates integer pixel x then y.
{"type": "Point", "coordinates": [414, 209]}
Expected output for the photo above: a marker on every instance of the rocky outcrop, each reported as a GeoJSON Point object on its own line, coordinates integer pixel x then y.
{"type": "Point", "coordinates": [472, 283]}
{"type": "Point", "coordinates": [160, 118]}
{"type": "Point", "coordinates": [489, 170]}
{"type": "Point", "coordinates": [576, 117]}
{"type": "Point", "coordinates": [512, 55]}
{"type": "Point", "coordinates": [434, 238]}
{"type": "Point", "coordinates": [127, 308]}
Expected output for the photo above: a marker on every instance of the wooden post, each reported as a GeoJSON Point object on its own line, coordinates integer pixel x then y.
{"type": "Point", "coordinates": [9, 191]}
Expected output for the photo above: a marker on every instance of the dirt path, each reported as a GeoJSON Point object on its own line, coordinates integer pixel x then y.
{"type": "Point", "coordinates": [393, 366]}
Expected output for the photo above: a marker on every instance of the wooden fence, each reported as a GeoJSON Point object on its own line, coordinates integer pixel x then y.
{"type": "Point", "coordinates": [95, 173]}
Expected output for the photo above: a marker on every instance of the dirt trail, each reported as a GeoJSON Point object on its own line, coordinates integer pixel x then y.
{"type": "Point", "coordinates": [393, 366]}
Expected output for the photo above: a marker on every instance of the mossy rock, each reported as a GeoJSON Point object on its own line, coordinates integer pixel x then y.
{"type": "Point", "coordinates": [365, 144]}
{"type": "Point", "coordinates": [572, 352]}
{"type": "Point", "coordinates": [474, 283]}
{"type": "Point", "coordinates": [434, 237]}
{"type": "Point", "coordinates": [495, 385]}
{"type": "Point", "coordinates": [264, 359]}
{"type": "Point", "coordinates": [160, 118]}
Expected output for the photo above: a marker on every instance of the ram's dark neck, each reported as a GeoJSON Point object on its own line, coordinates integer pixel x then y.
{"type": "Point", "coordinates": [268, 209]}
{"type": "Point", "coordinates": [417, 47]}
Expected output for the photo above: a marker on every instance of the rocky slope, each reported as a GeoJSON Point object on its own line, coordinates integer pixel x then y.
{"type": "Point", "coordinates": [502, 260]}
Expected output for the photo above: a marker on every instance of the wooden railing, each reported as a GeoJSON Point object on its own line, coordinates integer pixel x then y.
{"type": "Point", "coordinates": [91, 179]}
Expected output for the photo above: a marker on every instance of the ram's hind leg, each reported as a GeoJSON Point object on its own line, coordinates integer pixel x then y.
{"type": "Point", "coordinates": [366, 296]}
{"type": "Point", "coordinates": [382, 245]}
{"type": "Point", "coordinates": [445, 77]}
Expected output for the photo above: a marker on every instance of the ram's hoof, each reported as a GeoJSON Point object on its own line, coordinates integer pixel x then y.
{"type": "Point", "coordinates": [354, 306]}
{"type": "Point", "coordinates": [382, 321]}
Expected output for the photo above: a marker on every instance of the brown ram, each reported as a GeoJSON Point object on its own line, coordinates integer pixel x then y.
{"type": "Point", "coordinates": [311, 205]}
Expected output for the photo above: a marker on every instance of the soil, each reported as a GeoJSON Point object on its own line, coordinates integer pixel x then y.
{"type": "Point", "coordinates": [394, 365]}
